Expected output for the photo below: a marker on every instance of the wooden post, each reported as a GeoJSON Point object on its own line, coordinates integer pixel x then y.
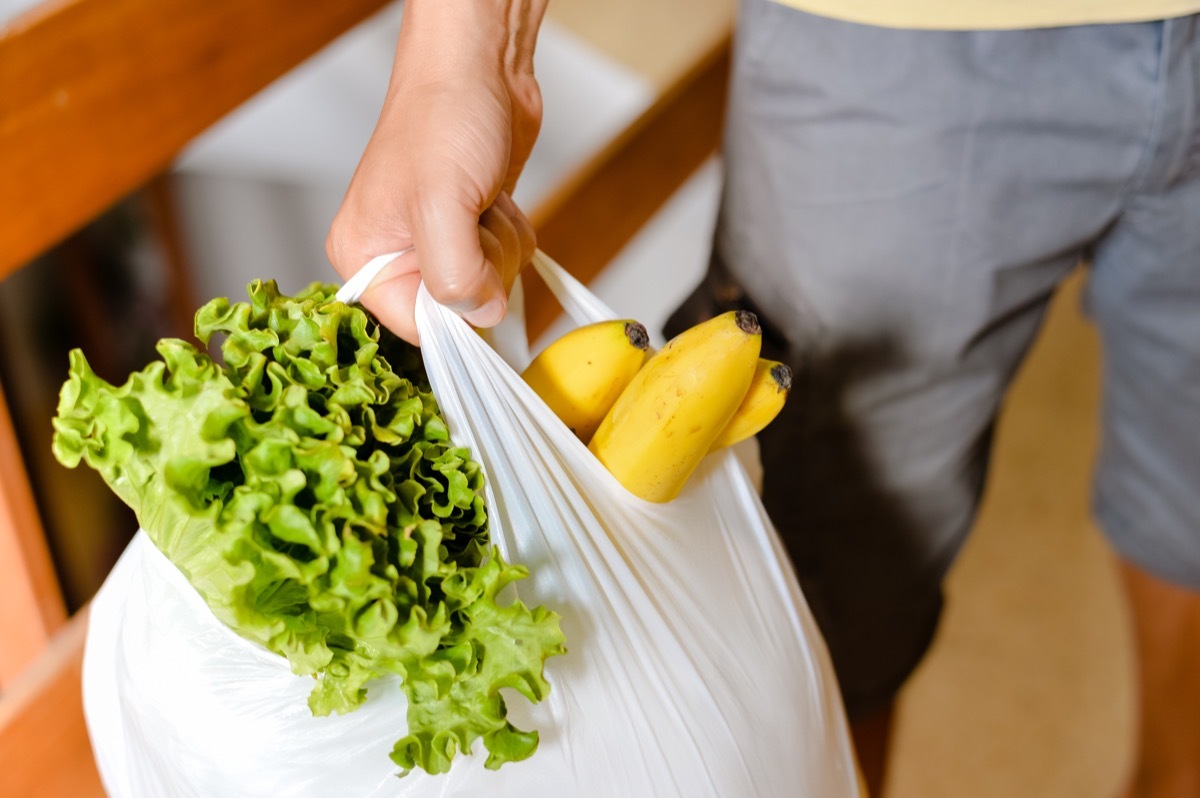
{"type": "Point", "coordinates": [44, 747]}
{"type": "Point", "coordinates": [31, 603]}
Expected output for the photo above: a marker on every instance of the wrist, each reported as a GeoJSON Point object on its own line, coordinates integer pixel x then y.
{"type": "Point", "coordinates": [448, 34]}
{"type": "Point", "coordinates": [443, 36]}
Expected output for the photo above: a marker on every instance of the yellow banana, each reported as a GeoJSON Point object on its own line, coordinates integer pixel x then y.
{"type": "Point", "coordinates": [663, 424]}
{"type": "Point", "coordinates": [581, 374]}
{"type": "Point", "coordinates": [766, 397]}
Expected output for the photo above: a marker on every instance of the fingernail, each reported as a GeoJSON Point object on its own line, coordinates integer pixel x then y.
{"type": "Point", "coordinates": [487, 316]}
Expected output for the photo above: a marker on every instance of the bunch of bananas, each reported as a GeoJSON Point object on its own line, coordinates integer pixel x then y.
{"type": "Point", "coordinates": [651, 417]}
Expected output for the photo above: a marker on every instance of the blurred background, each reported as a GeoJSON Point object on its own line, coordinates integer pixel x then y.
{"type": "Point", "coordinates": [1029, 689]}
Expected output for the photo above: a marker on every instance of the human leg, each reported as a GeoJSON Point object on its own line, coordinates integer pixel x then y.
{"type": "Point", "coordinates": [872, 736]}
{"type": "Point", "coordinates": [1144, 294]}
{"type": "Point", "coordinates": [898, 207]}
{"type": "Point", "coordinates": [1166, 622]}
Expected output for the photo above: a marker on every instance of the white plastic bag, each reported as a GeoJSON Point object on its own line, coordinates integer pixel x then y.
{"type": "Point", "coordinates": [693, 668]}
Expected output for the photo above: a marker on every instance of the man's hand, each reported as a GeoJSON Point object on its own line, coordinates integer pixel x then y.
{"type": "Point", "coordinates": [461, 115]}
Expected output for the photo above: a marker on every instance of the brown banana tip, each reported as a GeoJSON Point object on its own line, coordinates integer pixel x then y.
{"type": "Point", "coordinates": [637, 335]}
{"type": "Point", "coordinates": [782, 374]}
{"type": "Point", "coordinates": [747, 322]}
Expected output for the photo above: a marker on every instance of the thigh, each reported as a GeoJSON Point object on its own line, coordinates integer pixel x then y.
{"type": "Point", "coordinates": [899, 207]}
{"type": "Point", "coordinates": [1144, 294]}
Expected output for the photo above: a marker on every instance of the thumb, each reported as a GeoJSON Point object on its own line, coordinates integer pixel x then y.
{"type": "Point", "coordinates": [453, 266]}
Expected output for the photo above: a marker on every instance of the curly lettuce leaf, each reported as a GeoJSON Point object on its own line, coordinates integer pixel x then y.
{"type": "Point", "coordinates": [309, 491]}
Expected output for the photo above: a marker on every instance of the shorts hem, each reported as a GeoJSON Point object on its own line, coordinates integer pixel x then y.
{"type": "Point", "coordinates": [1116, 528]}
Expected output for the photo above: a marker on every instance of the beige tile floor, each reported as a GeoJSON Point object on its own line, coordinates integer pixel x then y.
{"type": "Point", "coordinates": [1028, 690]}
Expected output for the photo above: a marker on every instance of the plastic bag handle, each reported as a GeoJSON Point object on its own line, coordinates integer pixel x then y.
{"type": "Point", "coordinates": [576, 299]}
{"type": "Point", "coordinates": [359, 282]}
{"type": "Point", "coordinates": [578, 302]}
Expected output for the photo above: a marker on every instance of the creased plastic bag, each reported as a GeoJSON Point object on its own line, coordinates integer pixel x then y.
{"type": "Point", "coordinates": [693, 668]}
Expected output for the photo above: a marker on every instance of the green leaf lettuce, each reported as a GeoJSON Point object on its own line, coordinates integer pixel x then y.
{"type": "Point", "coordinates": [309, 491]}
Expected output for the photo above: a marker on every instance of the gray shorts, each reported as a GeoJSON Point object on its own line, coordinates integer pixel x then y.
{"type": "Point", "coordinates": [899, 207]}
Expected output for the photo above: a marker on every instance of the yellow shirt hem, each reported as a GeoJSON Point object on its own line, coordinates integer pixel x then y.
{"type": "Point", "coordinates": [994, 14]}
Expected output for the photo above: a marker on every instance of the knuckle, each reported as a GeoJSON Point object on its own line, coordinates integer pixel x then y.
{"type": "Point", "coordinates": [528, 95]}
{"type": "Point", "coordinates": [334, 239]}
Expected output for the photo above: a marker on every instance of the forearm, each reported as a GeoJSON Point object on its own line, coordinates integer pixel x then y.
{"type": "Point", "coordinates": [440, 35]}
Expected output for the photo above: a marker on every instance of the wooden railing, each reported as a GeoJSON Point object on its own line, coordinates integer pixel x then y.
{"type": "Point", "coordinates": [100, 95]}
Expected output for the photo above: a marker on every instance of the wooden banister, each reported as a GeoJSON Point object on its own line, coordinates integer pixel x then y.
{"type": "Point", "coordinates": [99, 95]}
{"type": "Point", "coordinates": [44, 746]}
{"type": "Point", "coordinates": [31, 603]}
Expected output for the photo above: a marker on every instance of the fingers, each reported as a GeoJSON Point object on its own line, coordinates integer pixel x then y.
{"type": "Point", "coordinates": [528, 240]}
{"type": "Point", "coordinates": [473, 274]}
{"type": "Point", "coordinates": [502, 223]}
{"type": "Point", "coordinates": [349, 244]}
{"type": "Point", "coordinates": [454, 266]}
{"type": "Point", "coordinates": [391, 298]}
{"type": "Point", "coordinates": [505, 220]}
{"type": "Point", "coordinates": [467, 263]}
